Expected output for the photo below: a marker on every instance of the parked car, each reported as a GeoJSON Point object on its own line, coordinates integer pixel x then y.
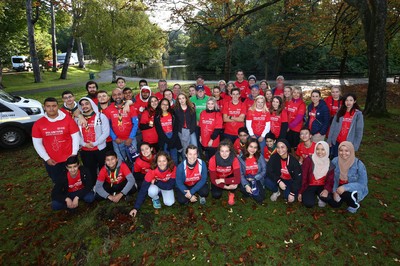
{"type": "Point", "coordinates": [17, 115]}
{"type": "Point", "coordinates": [73, 60]}
{"type": "Point", "coordinates": [49, 64]}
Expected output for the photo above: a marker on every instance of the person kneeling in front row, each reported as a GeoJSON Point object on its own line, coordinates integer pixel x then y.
{"type": "Point", "coordinates": [73, 185]}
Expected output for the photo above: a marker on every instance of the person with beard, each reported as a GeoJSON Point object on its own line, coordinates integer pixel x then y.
{"type": "Point", "coordinates": [91, 88]}
{"type": "Point", "coordinates": [115, 180]}
{"type": "Point", "coordinates": [143, 163]}
{"type": "Point", "coordinates": [224, 170]}
{"type": "Point", "coordinates": [93, 136]}
{"type": "Point", "coordinates": [191, 178]}
{"type": "Point", "coordinates": [123, 127]}
{"type": "Point", "coordinates": [142, 99]}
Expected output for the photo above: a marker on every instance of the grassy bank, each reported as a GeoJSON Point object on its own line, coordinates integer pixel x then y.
{"type": "Point", "coordinates": [274, 233]}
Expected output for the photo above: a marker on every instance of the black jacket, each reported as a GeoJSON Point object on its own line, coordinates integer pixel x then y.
{"type": "Point", "coordinates": [173, 142]}
{"type": "Point", "coordinates": [294, 168]}
{"type": "Point", "coordinates": [189, 116]}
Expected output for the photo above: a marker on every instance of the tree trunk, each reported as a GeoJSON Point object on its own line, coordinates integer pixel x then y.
{"type": "Point", "coordinates": [1, 74]}
{"type": "Point", "coordinates": [81, 58]}
{"type": "Point", "coordinates": [343, 63]}
{"type": "Point", "coordinates": [67, 57]}
{"type": "Point", "coordinates": [53, 37]}
{"type": "Point", "coordinates": [114, 70]}
{"type": "Point", "coordinates": [373, 15]}
{"type": "Point", "coordinates": [228, 58]}
{"type": "Point", "coordinates": [31, 39]}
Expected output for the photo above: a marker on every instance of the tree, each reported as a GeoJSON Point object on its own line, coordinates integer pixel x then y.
{"type": "Point", "coordinates": [373, 14]}
{"type": "Point", "coordinates": [12, 32]}
{"type": "Point", "coordinates": [31, 20]}
{"type": "Point", "coordinates": [124, 31]}
{"type": "Point", "coordinates": [53, 36]}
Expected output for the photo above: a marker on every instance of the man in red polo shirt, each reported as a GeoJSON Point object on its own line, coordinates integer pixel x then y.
{"type": "Point", "coordinates": [162, 85]}
{"type": "Point", "coordinates": [55, 137]}
{"type": "Point", "coordinates": [242, 84]}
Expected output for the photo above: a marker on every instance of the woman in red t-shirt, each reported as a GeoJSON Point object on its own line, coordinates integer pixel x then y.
{"type": "Point", "coordinates": [146, 125]}
{"type": "Point", "coordinates": [317, 177]}
{"type": "Point", "coordinates": [287, 95]}
{"type": "Point", "coordinates": [296, 110]}
{"type": "Point", "coordinates": [224, 168]}
{"type": "Point", "coordinates": [333, 102]}
{"type": "Point", "coordinates": [268, 97]}
{"type": "Point", "coordinates": [279, 119]}
{"type": "Point", "coordinates": [143, 162]}
{"type": "Point", "coordinates": [211, 127]}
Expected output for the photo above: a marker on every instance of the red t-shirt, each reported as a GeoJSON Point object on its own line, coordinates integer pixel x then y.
{"type": "Point", "coordinates": [220, 103]}
{"type": "Point", "coordinates": [268, 153]}
{"type": "Point", "coordinates": [315, 182]}
{"type": "Point", "coordinates": [88, 132]}
{"type": "Point", "coordinates": [114, 177]}
{"type": "Point", "coordinates": [333, 105]}
{"type": "Point", "coordinates": [238, 146]}
{"type": "Point", "coordinates": [284, 171]}
{"type": "Point", "coordinates": [56, 137]}
{"type": "Point", "coordinates": [166, 123]}
{"type": "Point", "coordinates": [276, 122]}
{"type": "Point", "coordinates": [295, 108]}
{"type": "Point", "coordinates": [248, 103]}
{"type": "Point", "coordinates": [223, 171]}
{"type": "Point", "coordinates": [251, 166]}
{"type": "Point", "coordinates": [140, 105]}
{"type": "Point", "coordinates": [207, 90]}
{"type": "Point", "coordinates": [74, 183]}
{"type": "Point", "coordinates": [279, 92]}
{"type": "Point", "coordinates": [344, 131]}
{"type": "Point", "coordinates": [142, 165]}
{"type": "Point", "coordinates": [68, 112]}
{"type": "Point", "coordinates": [157, 175]}
{"type": "Point", "coordinates": [259, 119]}
{"type": "Point", "coordinates": [121, 123]}
{"type": "Point", "coordinates": [192, 175]}
{"type": "Point", "coordinates": [303, 151]}
{"type": "Point", "coordinates": [159, 95]}
{"type": "Point", "coordinates": [208, 123]}
{"type": "Point", "coordinates": [234, 110]}
{"type": "Point", "coordinates": [244, 88]}
{"type": "Point", "coordinates": [148, 135]}
{"type": "Point", "coordinates": [312, 116]}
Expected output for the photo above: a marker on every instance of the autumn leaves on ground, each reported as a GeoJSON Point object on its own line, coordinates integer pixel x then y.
{"type": "Point", "coordinates": [216, 234]}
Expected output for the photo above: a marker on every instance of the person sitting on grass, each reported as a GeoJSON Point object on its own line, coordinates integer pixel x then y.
{"type": "Point", "coordinates": [115, 180]}
{"type": "Point", "coordinates": [350, 181]}
{"type": "Point", "coordinates": [224, 170]}
{"type": "Point", "coordinates": [73, 185]}
{"type": "Point", "coordinates": [306, 147]}
{"type": "Point", "coordinates": [252, 168]}
{"type": "Point", "coordinates": [283, 172]}
{"type": "Point", "coordinates": [142, 164]}
{"type": "Point", "coordinates": [161, 178]}
{"type": "Point", "coordinates": [191, 178]}
{"type": "Point", "coordinates": [317, 173]}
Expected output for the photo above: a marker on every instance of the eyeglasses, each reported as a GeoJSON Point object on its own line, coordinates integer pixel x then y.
{"type": "Point", "coordinates": [243, 135]}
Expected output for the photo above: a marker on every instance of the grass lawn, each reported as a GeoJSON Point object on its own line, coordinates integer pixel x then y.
{"type": "Point", "coordinates": [275, 233]}
{"type": "Point", "coordinates": [18, 81]}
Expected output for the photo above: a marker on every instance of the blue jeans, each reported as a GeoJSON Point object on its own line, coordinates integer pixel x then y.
{"type": "Point", "coordinates": [88, 198]}
{"type": "Point", "coordinates": [273, 186]}
{"type": "Point", "coordinates": [262, 144]}
{"type": "Point", "coordinates": [122, 151]}
{"type": "Point", "coordinates": [185, 143]}
{"type": "Point", "coordinates": [172, 152]}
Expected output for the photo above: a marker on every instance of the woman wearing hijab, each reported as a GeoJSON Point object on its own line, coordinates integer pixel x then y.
{"type": "Point", "coordinates": [317, 177]}
{"type": "Point", "coordinates": [350, 181]}
{"type": "Point", "coordinates": [283, 173]}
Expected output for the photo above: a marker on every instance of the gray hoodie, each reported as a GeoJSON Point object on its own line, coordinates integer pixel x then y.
{"type": "Point", "coordinates": [102, 126]}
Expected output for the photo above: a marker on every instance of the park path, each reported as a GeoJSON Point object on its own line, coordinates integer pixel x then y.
{"type": "Point", "coordinates": [106, 76]}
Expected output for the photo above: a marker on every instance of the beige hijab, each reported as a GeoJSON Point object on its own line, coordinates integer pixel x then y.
{"type": "Point", "coordinates": [344, 165]}
{"type": "Point", "coordinates": [321, 165]}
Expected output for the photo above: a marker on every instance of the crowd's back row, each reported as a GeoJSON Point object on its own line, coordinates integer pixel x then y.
{"type": "Point", "coordinates": [244, 131]}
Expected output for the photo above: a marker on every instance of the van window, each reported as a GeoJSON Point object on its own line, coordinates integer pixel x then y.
{"type": "Point", "coordinates": [18, 60]}
{"type": "Point", "coordinates": [4, 108]}
{"type": "Point", "coordinates": [6, 97]}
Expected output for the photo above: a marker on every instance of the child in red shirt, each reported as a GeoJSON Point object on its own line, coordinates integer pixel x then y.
{"type": "Point", "coordinates": [270, 147]}
{"type": "Point", "coordinates": [240, 142]}
{"type": "Point", "coordinates": [306, 147]}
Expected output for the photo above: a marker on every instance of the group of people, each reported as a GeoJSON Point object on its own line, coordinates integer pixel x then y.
{"type": "Point", "coordinates": [238, 136]}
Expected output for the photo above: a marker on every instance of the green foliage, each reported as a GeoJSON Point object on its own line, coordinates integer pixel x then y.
{"type": "Point", "coordinates": [122, 32]}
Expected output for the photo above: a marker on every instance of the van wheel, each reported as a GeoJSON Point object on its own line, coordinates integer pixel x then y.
{"type": "Point", "coordinates": [11, 137]}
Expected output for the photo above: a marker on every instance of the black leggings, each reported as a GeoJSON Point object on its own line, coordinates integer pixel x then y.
{"type": "Point", "coordinates": [345, 197]}
{"type": "Point", "coordinates": [202, 192]}
{"type": "Point", "coordinates": [216, 192]}
{"type": "Point", "coordinates": [308, 196]}
{"type": "Point", "coordinates": [261, 192]}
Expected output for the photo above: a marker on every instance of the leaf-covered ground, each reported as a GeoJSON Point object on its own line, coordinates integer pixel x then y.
{"type": "Point", "coordinates": [275, 233]}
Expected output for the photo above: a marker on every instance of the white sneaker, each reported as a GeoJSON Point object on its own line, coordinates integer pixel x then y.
{"type": "Point", "coordinates": [275, 195]}
{"type": "Point", "coordinates": [321, 204]}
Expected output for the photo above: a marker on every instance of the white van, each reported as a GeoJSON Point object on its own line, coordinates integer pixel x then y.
{"type": "Point", "coordinates": [72, 61]}
{"type": "Point", "coordinates": [20, 63]}
{"type": "Point", "coordinates": [17, 116]}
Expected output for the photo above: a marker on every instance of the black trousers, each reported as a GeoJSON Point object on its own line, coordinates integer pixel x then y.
{"type": "Point", "coordinates": [308, 196]}
{"type": "Point", "coordinates": [93, 161]}
{"type": "Point", "coordinates": [346, 198]}
{"type": "Point", "coordinates": [261, 192]}
{"type": "Point", "coordinates": [180, 197]}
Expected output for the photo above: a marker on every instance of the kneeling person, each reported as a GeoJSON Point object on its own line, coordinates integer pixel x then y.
{"type": "Point", "coordinates": [73, 185]}
{"type": "Point", "coordinates": [115, 180]}
{"type": "Point", "coordinates": [191, 178]}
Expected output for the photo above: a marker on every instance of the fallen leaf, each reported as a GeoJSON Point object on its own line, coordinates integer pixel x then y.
{"type": "Point", "coordinates": [68, 256]}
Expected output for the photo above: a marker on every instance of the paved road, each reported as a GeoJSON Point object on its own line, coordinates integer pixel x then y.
{"type": "Point", "coordinates": [106, 76]}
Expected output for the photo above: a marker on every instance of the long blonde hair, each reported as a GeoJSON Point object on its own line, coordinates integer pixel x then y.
{"type": "Point", "coordinates": [253, 107]}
